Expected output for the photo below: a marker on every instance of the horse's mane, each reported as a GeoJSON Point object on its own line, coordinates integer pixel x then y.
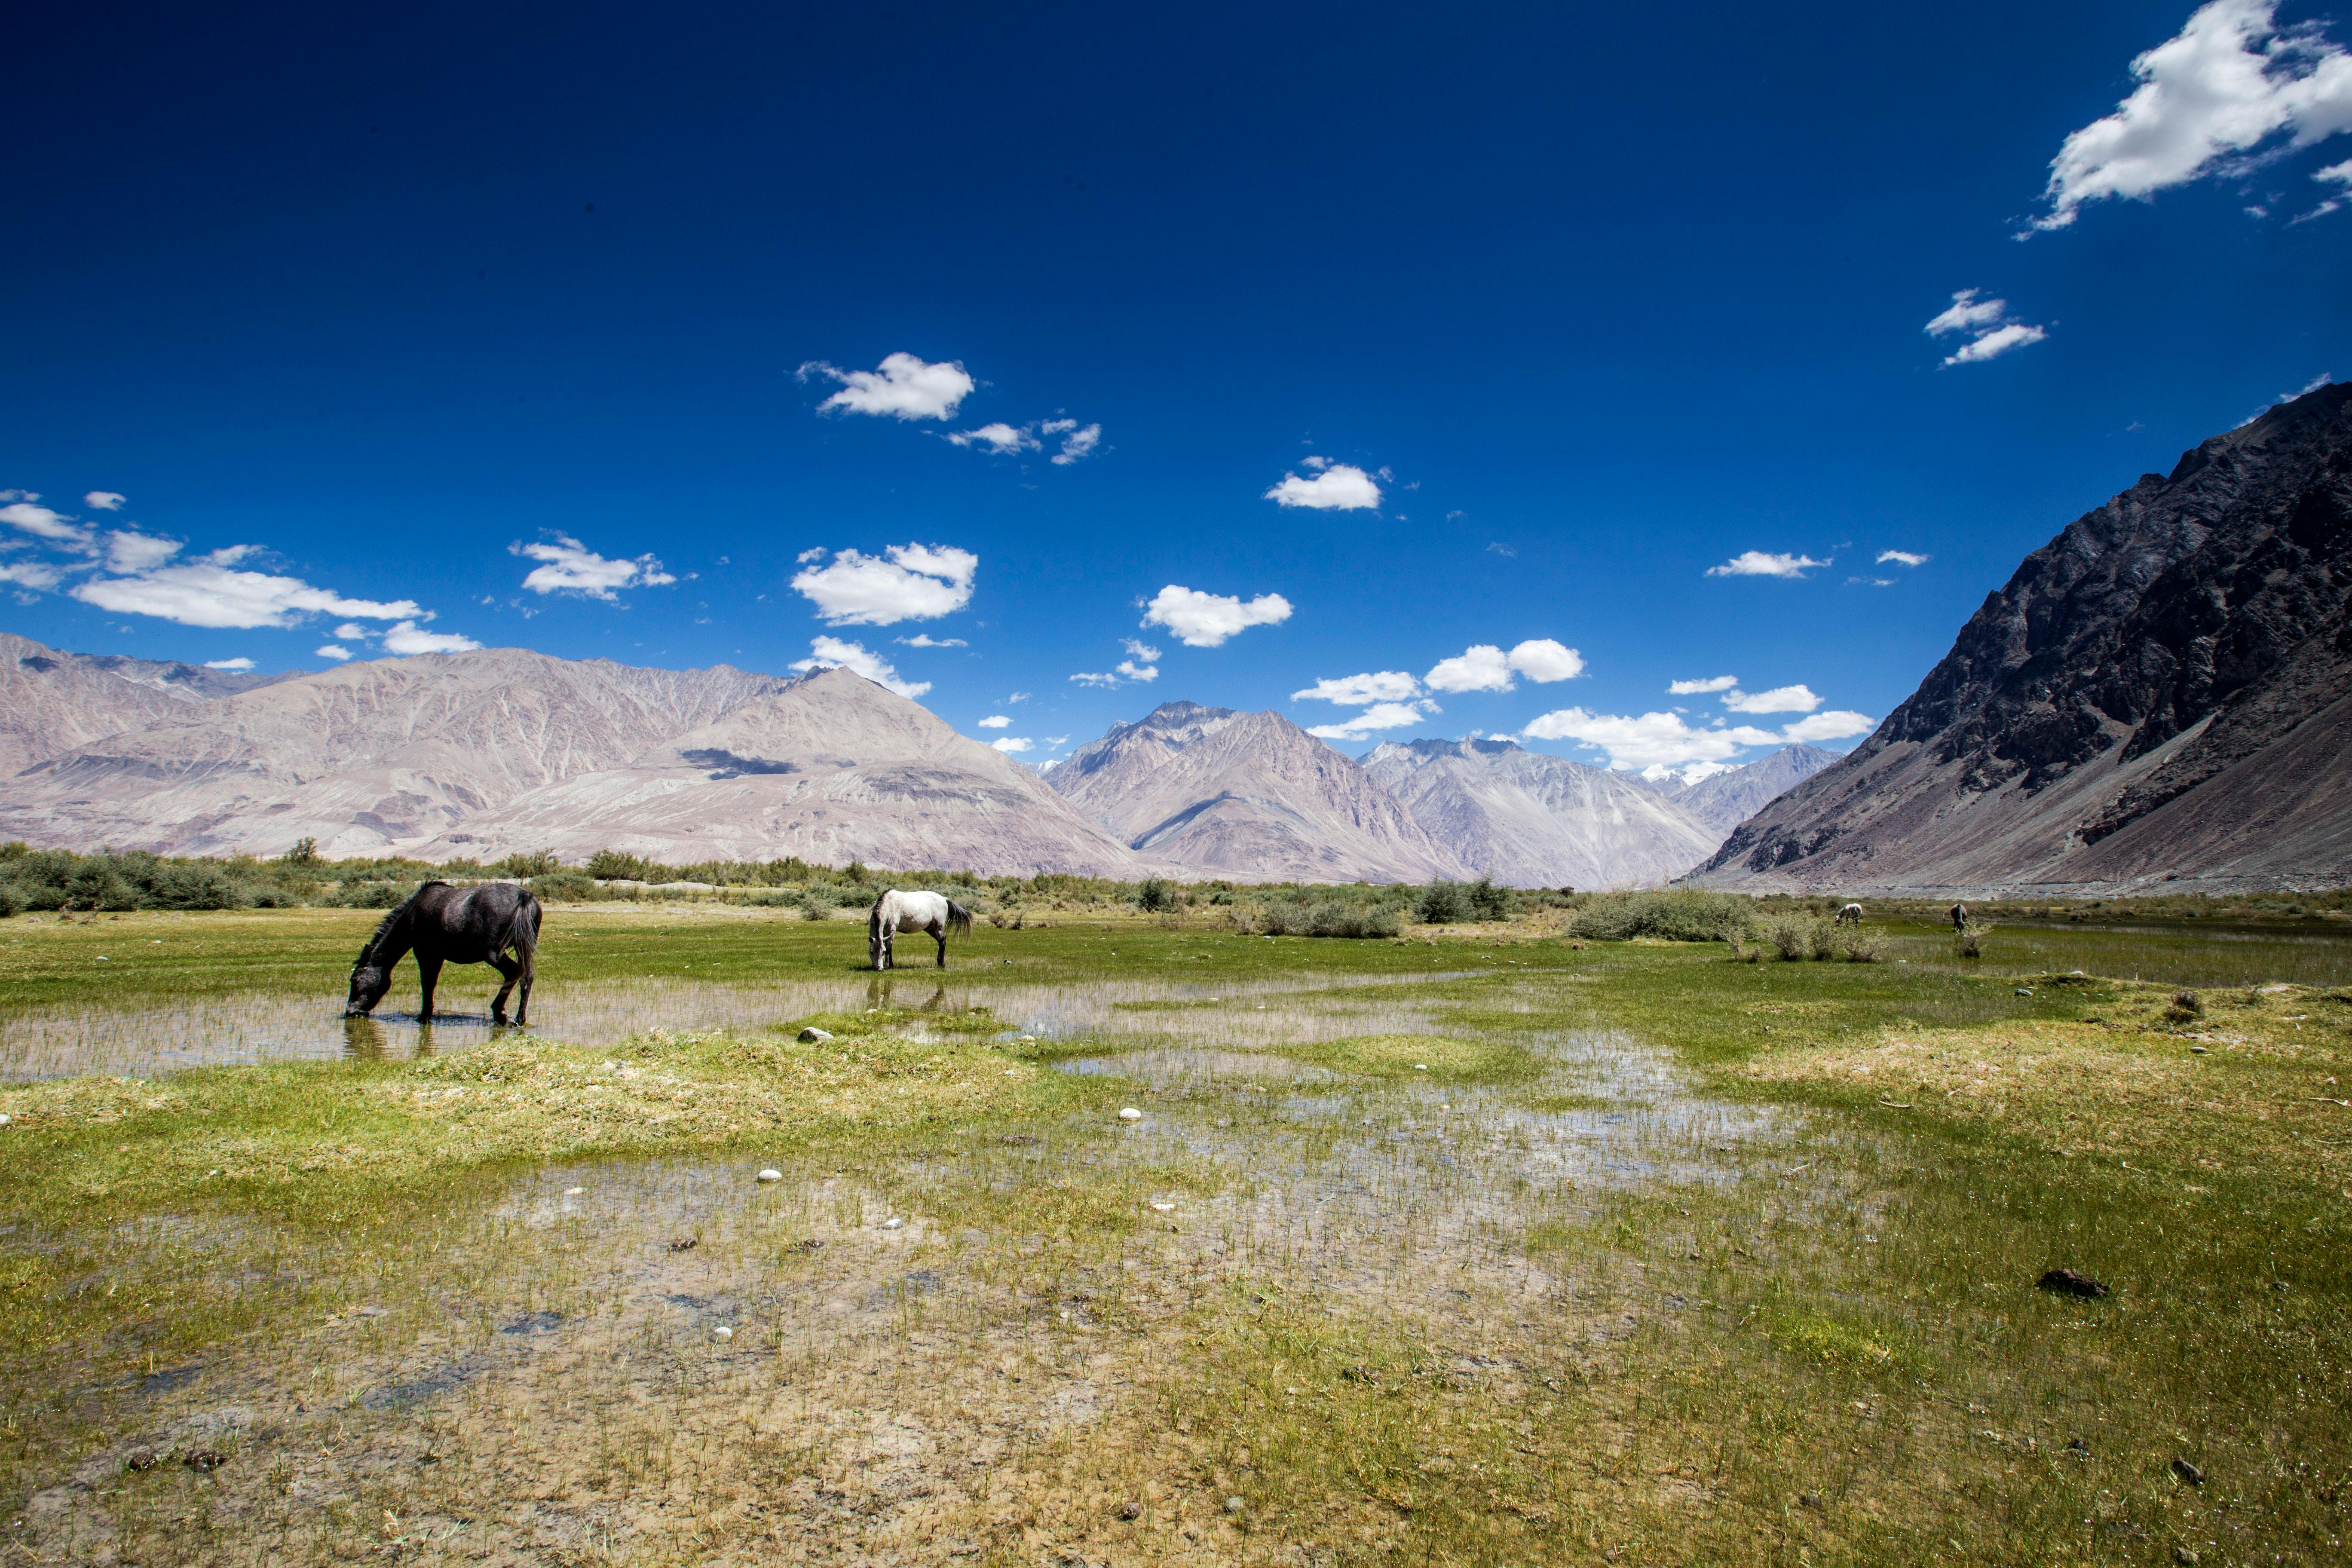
{"type": "Point", "coordinates": [397, 913]}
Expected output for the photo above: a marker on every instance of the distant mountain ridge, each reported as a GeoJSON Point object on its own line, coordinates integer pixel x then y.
{"type": "Point", "coordinates": [1725, 800]}
{"type": "Point", "coordinates": [1249, 795]}
{"type": "Point", "coordinates": [1532, 820]}
{"type": "Point", "coordinates": [2162, 693]}
{"type": "Point", "coordinates": [52, 701]}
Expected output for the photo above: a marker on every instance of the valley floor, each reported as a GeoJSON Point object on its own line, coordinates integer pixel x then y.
{"type": "Point", "coordinates": [1476, 1246]}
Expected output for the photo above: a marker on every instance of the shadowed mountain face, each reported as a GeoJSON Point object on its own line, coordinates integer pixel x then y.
{"type": "Point", "coordinates": [52, 702]}
{"type": "Point", "coordinates": [1725, 800]}
{"type": "Point", "coordinates": [2162, 692]}
{"type": "Point", "coordinates": [1531, 820]}
{"type": "Point", "coordinates": [1246, 795]}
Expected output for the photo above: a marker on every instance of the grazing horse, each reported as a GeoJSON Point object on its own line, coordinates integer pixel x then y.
{"type": "Point", "coordinates": [1959, 917]}
{"type": "Point", "coordinates": [442, 924]}
{"type": "Point", "coordinates": [896, 911]}
{"type": "Point", "coordinates": [1849, 916]}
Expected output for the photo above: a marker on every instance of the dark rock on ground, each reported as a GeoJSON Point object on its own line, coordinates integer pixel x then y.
{"type": "Point", "coordinates": [2066, 1282]}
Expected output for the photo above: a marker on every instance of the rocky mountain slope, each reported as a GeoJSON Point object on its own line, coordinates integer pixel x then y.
{"type": "Point", "coordinates": [1246, 795]}
{"type": "Point", "coordinates": [365, 758]}
{"type": "Point", "coordinates": [1725, 800]}
{"type": "Point", "coordinates": [52, 702]}
{"type": "Point", "coordinates": [1532, 820]}
{"type": "Point", "coordinates": [2162, 692]}
{"type": "Point", "coordinates": [830, 767]}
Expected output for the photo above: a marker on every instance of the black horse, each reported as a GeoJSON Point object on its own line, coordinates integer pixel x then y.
{"type": "Point", "coordinates": [442, 924]}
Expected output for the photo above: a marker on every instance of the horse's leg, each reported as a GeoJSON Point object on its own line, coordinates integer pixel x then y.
{"type": "Point", "coordinates": [530, 972]}
{"type": "Point", "coordinates": [508, 970]}
{"type": "Point", "coordinates": [428, 969]}
{"type": "Point", "coordinates": [939, 935]}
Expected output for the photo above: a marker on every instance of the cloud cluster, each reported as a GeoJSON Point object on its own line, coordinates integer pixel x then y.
{"type": "Point", "coordinates": [1142, 664]}
{"type": "Point", "coordinates": [1327, 487]}
{"type": "Point", "coordinates": [1667, 741]}
{"type": "Point", "coordinates": [1211, 620]}
{"type": "Point", "coordinates": [568, 566]}
{"type": "Point", "coordinates": [916, 582]}
{"type": "Point", "coordinates": [1005, 440]}
{"type": "Point", "coordinates": [925, 639]}
{"type": "Point", "coordinates": [1796, 698]}
{"type": "Point", "coordinates": [2232, 81]}
{"type": "Point", "coordinates": [1903, 558]}
{"type": "Point", "coordinates": [1711, 683]}
{"type": "Point", "coordinates": [906, 388]}
{"type": "Point", "coordinates": [831, 653]}
{"type": "Point", "coordinates": [1077, 442]}
{"type": "Point", "coordinates": [1987, 325]}
{"type": "Point", "coordinates": [1483, 666]}
{"type": "Point", "coordinates": [1762, 563]}
{"type": "Point", "coordinates": [1374, 719]}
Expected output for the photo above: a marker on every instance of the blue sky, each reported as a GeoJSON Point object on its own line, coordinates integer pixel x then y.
{"type": "Point", "coordinates": [1548, 316]}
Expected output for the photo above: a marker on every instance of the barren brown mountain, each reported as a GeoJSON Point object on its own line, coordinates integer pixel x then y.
{"type": "Point", "coordinates": [1247, 796]}
{"type": "Point", "coordinates": [52, 702]}
{"type": "Point", "coordinates": [2161, 695]}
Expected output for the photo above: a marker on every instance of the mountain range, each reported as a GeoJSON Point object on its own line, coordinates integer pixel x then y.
{"type": "Point", "coordinates": [483, 753]}
{"type": "Point", "coordinates": [2162, 694]}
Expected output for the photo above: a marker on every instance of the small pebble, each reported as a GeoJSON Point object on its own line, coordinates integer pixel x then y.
{"type": "Point", "coordinates": [1125, 1510]}
{"type": "Point", "coordinates": [814, 1034]}
{"type": "Point", "coordinates": [102, 958]}
{"type": "Point", "coordinates": [573, 1191]}
{"type": "Point", "coordinates": [3, 1121]}
{"type": "Point", "coordinates": [2021, 990]}
{"type": "Point", "coordinates": [1235, 1505]}
{"type": "Point", "coordinates": [1421, 1066]}
{"type": "Point", "coordinates": [1164, 1208]}
{"type": "Point", "coordinates": [141, 1458]}
{"type": "Point", "coordinates": [894, 1223]}
{"type": "Point", "coordinates": [2188, 1472]}
{"type": "Point", "coordinates": [722, 1332]}
{"type": "Point", "coordinates": [1131, 1114]}
{"type": "Point", "coordinates": [771, 1175]}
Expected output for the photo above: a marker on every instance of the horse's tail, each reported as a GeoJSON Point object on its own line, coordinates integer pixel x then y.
{"type": "Point", "coordinates": [959, 919]}
{"type": "Point", "coordinates": [522, 927]}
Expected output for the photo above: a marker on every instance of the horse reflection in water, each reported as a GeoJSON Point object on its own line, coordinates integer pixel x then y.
{"type": "Point", "coordinates": [896, 911]}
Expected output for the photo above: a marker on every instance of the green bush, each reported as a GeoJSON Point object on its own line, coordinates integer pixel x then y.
{"type": "Point", "coordinates": [817, 903]}
{"type": "Point", "coordinates": [1291, 914]}
{"type": "Point", "coordinates": [1486, 901]}
{"type": "Point", "coordinates": [1154, 895]}
{"type": "Point", "coordinates": [572, 884]}
{"type": "Point", "coordinates": [1678, 916]}
{"type": "Point", "coordinates": [536, 863]}
{"type": "Point", "coordinates": [1441, 904]}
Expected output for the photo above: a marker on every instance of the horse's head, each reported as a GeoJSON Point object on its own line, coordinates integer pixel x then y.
{"type": "Point", "coordinates": [370, 981]}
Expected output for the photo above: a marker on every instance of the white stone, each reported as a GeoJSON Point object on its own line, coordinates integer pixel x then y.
{"type": "Point", "coordinates": [573, 1191]}
{"type": "Point", "coordinates": [722, 1332]}
{"type": "Point", "coordinates": [1421, 1066]}
{"type": "Point", "coordinates": [771, 1175]}
{"type": "Point", "coordinates": [814, 1034]}
{"type": "Point", "coordinates": [894, 1223]}
{"type": "Point", "coordinates": [1164, 1208]}
{"type": "Point", "coordinates": [1131, 1114]}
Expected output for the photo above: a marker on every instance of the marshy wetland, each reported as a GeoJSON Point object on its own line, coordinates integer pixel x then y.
{"type": "Point", "coordinates": [1477, 1247]}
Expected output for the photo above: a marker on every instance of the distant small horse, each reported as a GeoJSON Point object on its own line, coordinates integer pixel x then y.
{"type": "Point", "coordinates": [1849, 916]}
{"type": "Point", "coordinates": [896, 911]}
{"type": "Point", "coordinates": [1959, 917]}
{"type": "Point", "coordinates": [442, 924]}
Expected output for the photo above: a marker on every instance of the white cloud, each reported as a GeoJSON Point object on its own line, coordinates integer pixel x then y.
{"type": "Point", "coordinates": [1712, 683]}
{"type": "Point", "coordinates": [1779, 699]}
{"type": "Point", "coordinates": [570, 567]}
{"type": "Point", "coordinates": [1544, 661]}
{"type": "Point", "coordinates": [925, 639]}
{"type": "Point", "coordinates": [1137, 648]}
{"type": "Point", "coordinates": [1101, 678]}
{"type": "Point", "coordinates": [1759, 564]}
{"type": "Point", "coordinates": [1997, 342]}
{"type": "Point", "coordinates": [917, 582]}
{"type": "Point", "coordinates": [331, 650]}
{"type": "Point", "coordinates": [352, 629]}
{"type": "Point", "coordinates": [1209, 620]}
{"type": "Point", "coordinates": [1016, 697]}
{"type": "Point", "coordinates": [999, 438]}
{"type": "Point", "coordinates": [1988, 325]}
{"type": "Point", "coordinates": [104, 500]}
{"type": "Point", "coordinates": [1689, 773]}
{"type": "Point", "coordinates": [29, 574]}
{"type": "Point", "coordinates": [996, 722]}
{"type": "Point", "coordinates": [238, 665]}
{"type": "Point", "coordinates": [905, 387]}
{"type": "Point", "coordinates": [1903, 558]}
{"type": "Point", "coordinates": [1009, 744]}
{"type": "Point", "coordinates": [1077, 444]}
{"type": "Point", "coordinates": [1484, 667]}
{"type": "Point", "coordinates": [1333, 486]}
{"type": "Point", "coordinates": [408, 638]}
{"type": "Point", "coordinates": [1834, 725]}
{"type": "Point", "coordinates": [129, 552]}
{"type": "Point", "coordinates": [828, 653]}
{"type": "Point", "coordinates": [1661, 740]}
{"type": "Point", "coordinates": [1134, 672]}
{"type": "Point", "coordinates": [27, 517]}
{"type": "Point", "coordinates": [212, 592]}
{"type": "Point", "coordinates": [1357, 690]}
{"type": "Point", "coordinates": [1378, 717]}
{"type": "Point", "coordinates": [2228, 82]}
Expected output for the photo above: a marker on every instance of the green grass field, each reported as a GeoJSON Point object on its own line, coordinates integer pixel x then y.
{"type": "Point", "coordinates": [1478, 1246]}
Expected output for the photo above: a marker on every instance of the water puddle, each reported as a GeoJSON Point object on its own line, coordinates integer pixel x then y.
{"type": "Point", "coordinates": [1174, 1069]}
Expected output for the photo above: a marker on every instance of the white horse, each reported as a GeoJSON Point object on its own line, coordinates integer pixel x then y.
{"type": "Point", "coordinates": [896, 911]}
{"type": "Point", "coordinates": [1849, 916]}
